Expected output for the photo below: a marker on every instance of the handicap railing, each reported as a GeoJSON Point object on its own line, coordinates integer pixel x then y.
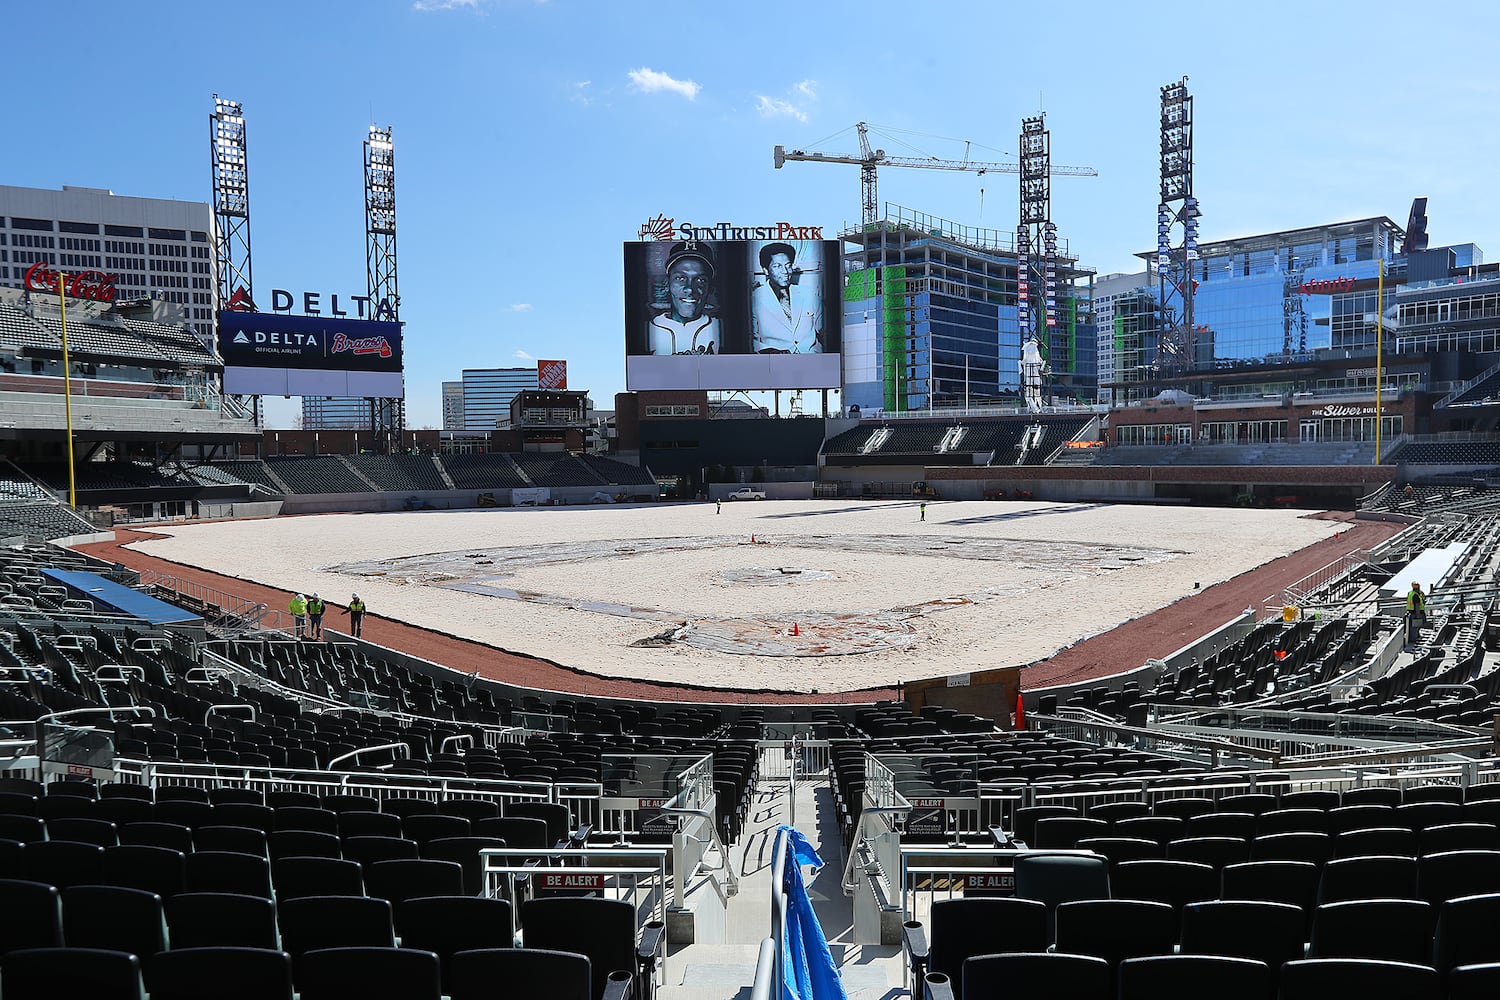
{"type": "Point", "coordinates": [770, 976]}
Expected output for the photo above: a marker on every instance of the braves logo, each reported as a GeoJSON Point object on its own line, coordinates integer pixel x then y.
{"type": "Point", "coordinates": [360, 345]}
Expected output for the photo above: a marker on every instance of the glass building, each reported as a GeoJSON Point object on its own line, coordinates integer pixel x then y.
{"type": "Point", "coordinates": [487, 393]}
{"type": "Point", "coordinates": [1280, 298]}
{"type": "Point", "coordinates": [930, 318]}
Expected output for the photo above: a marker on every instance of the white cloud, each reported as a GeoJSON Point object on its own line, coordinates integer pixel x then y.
{"type": "Point", "coordinates": [522, 356]}
{"type": "Point", "coordinates": [775, 107]}
{"type": "Point", "coordinates": [650, 81]}
{"type": "Point", "coordinates": [521, 307]}
{"type": "Point", "coordinates": [581, 93]}
{"type": "Point", "coordinates": [431, 5]}
{"type": "Point", "coordinates": [793, 105]}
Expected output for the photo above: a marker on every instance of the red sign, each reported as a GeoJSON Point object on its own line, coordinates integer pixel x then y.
{"type": "Point", "coordinates": [980, 883]}
{"type": "Point", "coordinates": [927, 803]}
{"type": "Point", "coordinates": [82, 770]}
{"type": "Point", "coordinates": [1328, 287]}
{"type": "Point", "coordinates": [562, 880]}
{"type": "Point", "coordinates": [240, 301]}
{"type": "Point", "coordinates": [94, 285]}
{"type": "Point", "coordinates": [650, 803]}
{"type": "Point", "coordinates": [360, 345]}
{"type": "Point", "coordinates": [552, 374]}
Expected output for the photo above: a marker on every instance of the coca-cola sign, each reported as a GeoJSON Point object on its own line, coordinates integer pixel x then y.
{"type": "Point", "coordinates": [93, 285]}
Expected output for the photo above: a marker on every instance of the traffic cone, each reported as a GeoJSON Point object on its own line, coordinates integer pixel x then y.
{"type": "Point", "coordinates": [795, 629]}
{"type": "Point", "coordinates": [752, 539]}
{"type": "Point", "coordinates": [1020, 712]}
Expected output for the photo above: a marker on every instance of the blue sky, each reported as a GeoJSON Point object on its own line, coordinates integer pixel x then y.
{"type": "Point", "coordinates": [533, 138]}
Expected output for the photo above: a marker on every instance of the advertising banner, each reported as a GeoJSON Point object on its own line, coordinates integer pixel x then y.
{"type": "Point", "coordinates": [275, 354]}
{"type": "Point", "coordinates": [732, 314]}
{"type": "Point", "coordinates": [551, 374]}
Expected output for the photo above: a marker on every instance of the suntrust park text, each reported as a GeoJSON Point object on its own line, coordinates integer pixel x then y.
{"type": "Point", "coordinates": [724, 231]}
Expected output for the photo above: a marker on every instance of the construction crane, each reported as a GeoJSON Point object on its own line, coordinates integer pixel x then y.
{"type": "Point", "coordinates": [868, 159]}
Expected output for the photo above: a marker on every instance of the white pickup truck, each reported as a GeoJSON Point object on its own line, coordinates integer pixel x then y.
{"type": "Point", "coordinates": [746, 493]}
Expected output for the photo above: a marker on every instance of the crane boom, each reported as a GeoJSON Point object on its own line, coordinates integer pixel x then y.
{"type": "Point", "coordinates": [868, 159]}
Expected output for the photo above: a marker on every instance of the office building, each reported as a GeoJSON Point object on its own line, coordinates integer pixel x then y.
{"type": "Point", "coordinates": [487, 393]}
{"type": "Point", "coordinates": [328, 413]}
{"type": "Point", "coordinates": [155, 248]}
{"type": "Point", "coordinates": [453, 406]}
{"type": "Point", "coordinates": [930, 319]}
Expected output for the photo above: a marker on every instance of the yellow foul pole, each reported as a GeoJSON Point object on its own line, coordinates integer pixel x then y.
{"type": "Point", "coordinates": [62, 304]}
{"type": "Point", "coordinates": [1379, 349]}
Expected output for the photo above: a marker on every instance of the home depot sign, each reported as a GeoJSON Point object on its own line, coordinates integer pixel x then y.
{"type": "Point", "coordinates": [552, 374]}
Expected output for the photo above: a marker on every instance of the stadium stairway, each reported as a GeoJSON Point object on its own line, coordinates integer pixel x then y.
{"type": "Point", "coordinates": [725, 971]}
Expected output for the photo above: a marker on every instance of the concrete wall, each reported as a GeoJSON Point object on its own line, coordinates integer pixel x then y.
{"type": "Point", "coordinates": [338, 503]}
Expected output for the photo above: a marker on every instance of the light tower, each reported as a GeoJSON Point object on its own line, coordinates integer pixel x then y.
{"type": "Point", "coordinates": [1176, 233]}
{"type": "Point", "coordinates": [1036, 257]}
{"type": "Point", "coordinates": [231, 177]}
{"type": "Point", "coordinates": [386, 415]}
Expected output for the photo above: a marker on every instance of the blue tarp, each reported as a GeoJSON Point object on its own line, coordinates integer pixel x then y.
{"type": "Point", "coordinates": [110, 597]}
{"type": "Point", "coordinates": [808, 969]}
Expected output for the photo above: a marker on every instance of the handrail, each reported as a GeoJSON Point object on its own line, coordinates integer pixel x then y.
{"type": "Point", "coordinates": [767, 979]}
{"type": "Point", "coordinates": [231, 707]}
{"type": "Point", "coordinates": [848, 884]}
{"type": "Point", "coordinates": [119, 673]}
{"type": "Point", "coordinates": [732, 882]}
{"type": "Point", "coordinates": [354, 754]}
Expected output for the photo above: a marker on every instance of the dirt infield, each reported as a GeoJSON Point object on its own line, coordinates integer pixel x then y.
{"type": "Point", "coordinates": [1170, 624]}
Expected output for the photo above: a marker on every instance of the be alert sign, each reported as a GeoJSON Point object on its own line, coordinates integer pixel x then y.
{"type": "Point", "coordinates": [551, 374]}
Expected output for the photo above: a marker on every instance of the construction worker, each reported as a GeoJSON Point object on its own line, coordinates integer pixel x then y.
{"type": "Point", "coordinates": [315, 616]}
{"type": "Point", "coordinates": [356, 613]}
{"type": "Point", "coordinates": [298, 608]}
{"type": "Point", "coordinates": [922, 511]}
{"type": "Point", "coordinates": [1416, 612]}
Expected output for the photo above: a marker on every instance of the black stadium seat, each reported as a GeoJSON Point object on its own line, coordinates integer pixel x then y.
{"type": "Point", "coordinates": [235, 974]}
{"type": "Point", "coordinates": [51, 973]}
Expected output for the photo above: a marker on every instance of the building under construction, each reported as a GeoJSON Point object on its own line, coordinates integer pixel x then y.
{"type": "Point", "coordinates": [931, 319]}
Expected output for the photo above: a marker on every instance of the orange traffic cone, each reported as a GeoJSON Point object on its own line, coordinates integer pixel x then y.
{"type": "Point", "coordinates": [1020, 713]}
{"type": "Point", "coordinates": [795, 629]}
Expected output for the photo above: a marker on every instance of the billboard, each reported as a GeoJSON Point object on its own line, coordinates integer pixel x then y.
{"type": "Point", "coordinates": [272, 354]}
{"type": "Point", "coordinates": [551, 374]}
{"type": "Point", "coordinates": [732, 314]}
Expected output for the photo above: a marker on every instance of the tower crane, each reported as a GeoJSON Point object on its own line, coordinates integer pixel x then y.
{"type": "Point", "coordinates": [868, 159]}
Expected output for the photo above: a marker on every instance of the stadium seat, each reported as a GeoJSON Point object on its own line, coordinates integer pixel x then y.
{"type": "Point", "coordinates": [1037, 976]}
{"type": "Point", "coordinates": [371, 850]}
{"type": "Point", "coordinates": [1272, 933]}
{"type": "Point", "coordinates": [1175, 883]}
{"type": "Point", "coordinates": [527, 972]}
{"type": "Point", "coordinates": [1457, 873]}
{"type": "Point", "coordinates": [226, 871]}
{"type": "Point", "coordinates": [1376, 842]}
{"type": "Point", "coordinates": [1474, 982]}
{"type": "Point", "coordinates": [398, 881]}
{"type": "Point", "coordinates": [1116, 929]}
{"type": "Point", "coordinates": [369, 974]}
{"type": "Point", "coordinates": [1385, 929]}
{"type": "Point", "coordinates": [958, 929]}
{"type": "Point", "coordinates": [602, 929]}
{"type": "Point", "coordinates": [99, 832]}
{"type": "Point", "coordinates": [114, 918]}
{"type": "Point", "coordinates": [1465, 933]}
{"type": "Point", "coordinates": [51, 973]}
{"type": "Point", "coordinates": [304, 844]}
{"type": "Point", "coordinates": [30, 915]}
{"type": "Point", "coordinates": [1220, 977]}
{"type": "Point", "coordinates": [464, 851]}
{"type": "Point", "coordinates": [236, 974]}
{"type": "Point", "coordinates": [173, 836]}
{"type": "Point", "coordinates": [63, 863]}
{"type": "Point", "coordinates": [316, 922]}
{"type": "Point", "coordinates": [233, 839]}
{"type": "Point", "coordinates": [311, 820]}
{"type": "Point", "coordinates": [1368, 878]}
{"type": "Point", "coordinates": [155, 869]}
{"type": "Point", "coordinates": [1058, 878]}
{"type": "Point", "coordinates": [297, 878]}
{"type": "Point", "coordinates": [1216, 852]}
{"type": "Point", "coordinates": [1321, 978]}
{"type": "Point", "coordinates": [221, 920]}
{"type": "Point", "coordinates": [448, 924]}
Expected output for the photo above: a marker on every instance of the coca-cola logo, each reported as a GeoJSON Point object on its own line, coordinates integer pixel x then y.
{"type": "Point", "coordinates": [93, 285]}
{"type": "Point", "coordinates": [360, 345]}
